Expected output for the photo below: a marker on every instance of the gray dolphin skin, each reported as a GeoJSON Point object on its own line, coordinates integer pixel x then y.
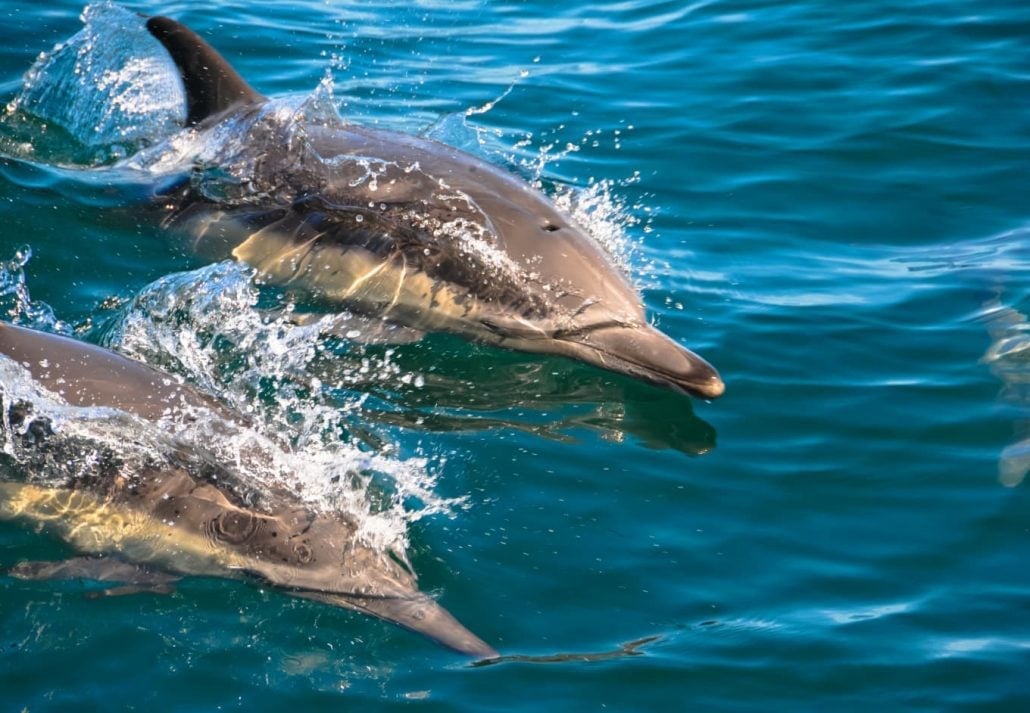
{"type": "Point", "coordinates": [187, 520]}
{"type": "Point", "coordinates": [87, 375]}
{"type": "Point", "coordinates": [406, 230]}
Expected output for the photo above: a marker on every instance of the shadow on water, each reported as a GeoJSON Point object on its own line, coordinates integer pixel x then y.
{"type": "Point", "coordinates": [462, 388]}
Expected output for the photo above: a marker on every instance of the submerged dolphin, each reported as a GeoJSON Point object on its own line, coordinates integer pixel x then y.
{"type": "Point", "coordinates": [406, 229]}
{"type": "Point", "coordinates": [186, 519]}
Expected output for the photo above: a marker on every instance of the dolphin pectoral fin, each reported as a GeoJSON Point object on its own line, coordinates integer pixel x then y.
{"type": "Point", "coordinates": [135, 579]}
{"type": "Point", "coordinates": [417, 612]}
{"type": "Point", "coordinates": [641, 351]}
{"type": "Point", "coordinates": [212, 85]}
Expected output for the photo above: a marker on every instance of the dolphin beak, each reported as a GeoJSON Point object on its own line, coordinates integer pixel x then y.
{"type": "Point", "coordinates": [643, 352]}
{"type": "Point", "coordinates": [417, 612]}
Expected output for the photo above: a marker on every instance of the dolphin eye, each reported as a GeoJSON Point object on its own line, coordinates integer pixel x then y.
{"type": "Point", "coordinates": [551, 227]}
{"type": "Point", "coordinates": [234, 526]}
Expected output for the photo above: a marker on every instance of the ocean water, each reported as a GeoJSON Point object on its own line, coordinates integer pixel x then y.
{"type": "Point", "coordinates": [829, 201]}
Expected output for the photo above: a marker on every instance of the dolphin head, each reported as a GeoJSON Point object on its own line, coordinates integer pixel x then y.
{"type": "Point", "coordinates": [625, 346]}
{"type": "Point", "coordinates": [643, 352]}
{"type": "Point", "coordinates": [320, 557]}
{"type": "Point", "coordinates": [415, 611]}
{"type": "Point", "coordinates": [381, 584]}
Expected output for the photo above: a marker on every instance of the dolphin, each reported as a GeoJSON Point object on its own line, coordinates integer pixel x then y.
{"type": "Point", "coordinates": [190, 516]}
{"type": "Point", "coordinates": [403, 229]}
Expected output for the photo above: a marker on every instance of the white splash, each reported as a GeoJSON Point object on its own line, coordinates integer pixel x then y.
{"type": "Point", "coordinates": [111, 85]}
{"type": "Point", "coordinates": [206, 325]}
{"type": "Point", "coordinates": [16, 302]}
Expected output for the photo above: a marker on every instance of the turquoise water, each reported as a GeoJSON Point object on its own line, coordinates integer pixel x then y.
{"type": "Point", "coordinates": [828, 201]}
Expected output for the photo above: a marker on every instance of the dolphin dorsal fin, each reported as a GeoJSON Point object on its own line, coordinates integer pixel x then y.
{"type": "Point", "coordinates": [212, 85]}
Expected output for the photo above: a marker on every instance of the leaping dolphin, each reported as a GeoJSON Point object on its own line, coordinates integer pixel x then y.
{"type": "Point", "coordinates": [406, 229]}
{"type": "Point", "coordinates": [189, 519]}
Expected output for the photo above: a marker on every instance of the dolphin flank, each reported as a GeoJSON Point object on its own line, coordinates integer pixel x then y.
{"type": "Point", "coordinates": [194, 517]}
{"type": "Point", "coordinates": [405, 230]}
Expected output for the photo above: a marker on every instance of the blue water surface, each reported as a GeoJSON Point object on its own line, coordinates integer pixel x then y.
{"type": "Point", "coordinates": [829, 201]}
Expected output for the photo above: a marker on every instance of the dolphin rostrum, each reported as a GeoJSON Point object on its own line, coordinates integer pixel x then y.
{"type": "Point", "coordinates": [190, 516]}
{"type": "Point", "coordinates": [404, 229]}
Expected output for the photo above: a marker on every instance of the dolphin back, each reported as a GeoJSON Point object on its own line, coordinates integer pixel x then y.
{"type": "Point", "coordinates": [88, 375]}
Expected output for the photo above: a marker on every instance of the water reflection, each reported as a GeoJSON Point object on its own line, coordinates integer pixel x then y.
{"type": "Point", "coordinates": [461, 387]}
{"type": "Point", "coordinates": [1008, 357]}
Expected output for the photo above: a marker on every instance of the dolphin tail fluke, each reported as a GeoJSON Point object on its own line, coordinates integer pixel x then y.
{"type": "Point", "coordinates": [419, 613]}
{"type": "Point", "coordinates": [641, 351]}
